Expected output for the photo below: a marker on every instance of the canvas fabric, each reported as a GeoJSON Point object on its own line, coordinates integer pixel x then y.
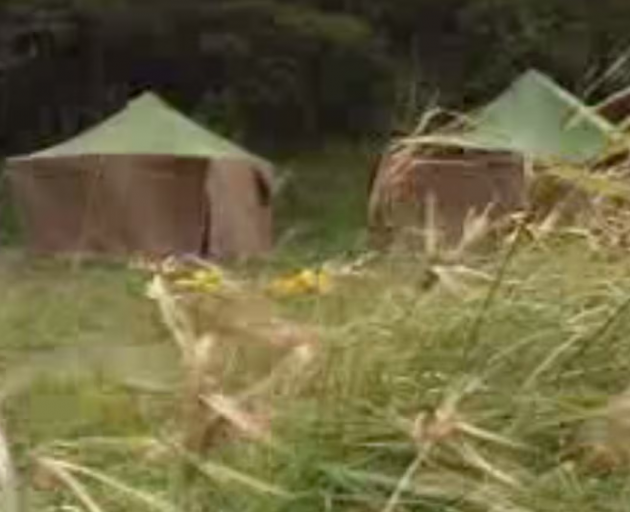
{"type": "Point", "coordinates": [148, 125]}
{"type": "Point", "coordinates": [239, 211]}
{"type": "Point", "coordinates": [456, 185]}
{"type": "Point", "coordinates": [537, 118]}
{"type": "Point", "coordinates": [153, 205]}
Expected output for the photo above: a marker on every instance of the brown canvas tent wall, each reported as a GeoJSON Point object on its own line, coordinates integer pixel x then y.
{"type": "Point", "coordinates": [188, 193]}
{"type": "Point", "coordinates": [456, 184]}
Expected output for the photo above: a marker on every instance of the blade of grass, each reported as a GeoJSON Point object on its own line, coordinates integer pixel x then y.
{"type": "Point", "coordinates": [405, 481]}
{"type": "Point", "coordinates": [548, 362]}
{"type": "Point", "coordinates": [474, 333]}
{"type": "Point", "coordinates": [148, 500]}
{"type": "Point", "coordinates": [599, 333]}
{"type": "Point", "coordinates": [472, 457]}
{"type": "Point", "coordinates": [222, 474]}
{"type": "Point", "coordinates": [73, 484]}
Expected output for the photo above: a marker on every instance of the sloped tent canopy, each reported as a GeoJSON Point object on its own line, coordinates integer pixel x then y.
{"type": "Point", "coordinates": [146, 180]}
{"type": "Point", "coordinates": [483, 163]}
{"type": "Point", "coordinates": [540, 120]}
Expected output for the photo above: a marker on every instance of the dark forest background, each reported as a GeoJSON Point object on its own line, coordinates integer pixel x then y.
{"type": "Point", "coordinates": [284, 73]}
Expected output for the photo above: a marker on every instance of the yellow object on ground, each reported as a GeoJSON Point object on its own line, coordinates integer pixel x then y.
{"type": "Point", "coordinates": [305, 282]}
{"type": "Point", "coordinates": [207, 280]}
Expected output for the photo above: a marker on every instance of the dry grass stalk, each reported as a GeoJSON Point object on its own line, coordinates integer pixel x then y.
{"type": "Point", "coordinates": [445, 428]}
{"type": "Point", "coordinates": [68, 473]}
{"type": "Point", "coordinates": [174, 317]}
{"type": "Point", "coordinates": [195, 357]}
{"type": "Point", "coordinates": [246, 423]}
{"type": "Point", "coordinates": [9, 491]}
{"type": "Point", "coordinates": [197, 382]}
{"type": "Point", "coordinates": [228, 317]}
{"type": "Point", "coordinates": [608, 222]}
{"type": "Point", "coordinates": [50, 470]}
{"type": "Point", "coordinates": [603, 441]}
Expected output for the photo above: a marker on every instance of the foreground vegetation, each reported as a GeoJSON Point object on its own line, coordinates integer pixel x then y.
{"type": "Point", "coordinates": [494, 382]}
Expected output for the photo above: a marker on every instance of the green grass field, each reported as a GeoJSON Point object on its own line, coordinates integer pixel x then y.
{"type": "Point", "coordinates": [388, 395]}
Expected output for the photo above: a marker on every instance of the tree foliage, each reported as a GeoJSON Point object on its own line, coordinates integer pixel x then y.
{"type": "Point", "coordinates": [285, 71]}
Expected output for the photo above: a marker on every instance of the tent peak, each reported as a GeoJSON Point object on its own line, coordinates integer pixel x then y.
{"type": "Point", "coordinates": [148, 125]}
{"type": "Point", "coordinates": [148, 97]}
{"type": "Point", "coordinates": [538, 118]}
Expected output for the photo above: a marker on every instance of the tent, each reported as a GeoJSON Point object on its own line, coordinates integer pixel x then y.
{"type": "Point", "coordinates": [540, 120]}
{"type": "Point", "coordinates": [458, 183]}
{"type": "Point", "coordinates": [480, 162]}
{"type": "Point", "coordinates": [146, 180]}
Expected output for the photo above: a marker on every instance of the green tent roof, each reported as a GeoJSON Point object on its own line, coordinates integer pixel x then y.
{"type": "Point", "coordinates": [538, 118]}
{"type": "Point", "coordinates": [147, 126]}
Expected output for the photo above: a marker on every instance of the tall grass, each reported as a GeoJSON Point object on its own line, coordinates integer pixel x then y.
{"type": "Point", "coordinates": [505, 392]}
{"type": "Point", "coordinates": [392, 416]}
